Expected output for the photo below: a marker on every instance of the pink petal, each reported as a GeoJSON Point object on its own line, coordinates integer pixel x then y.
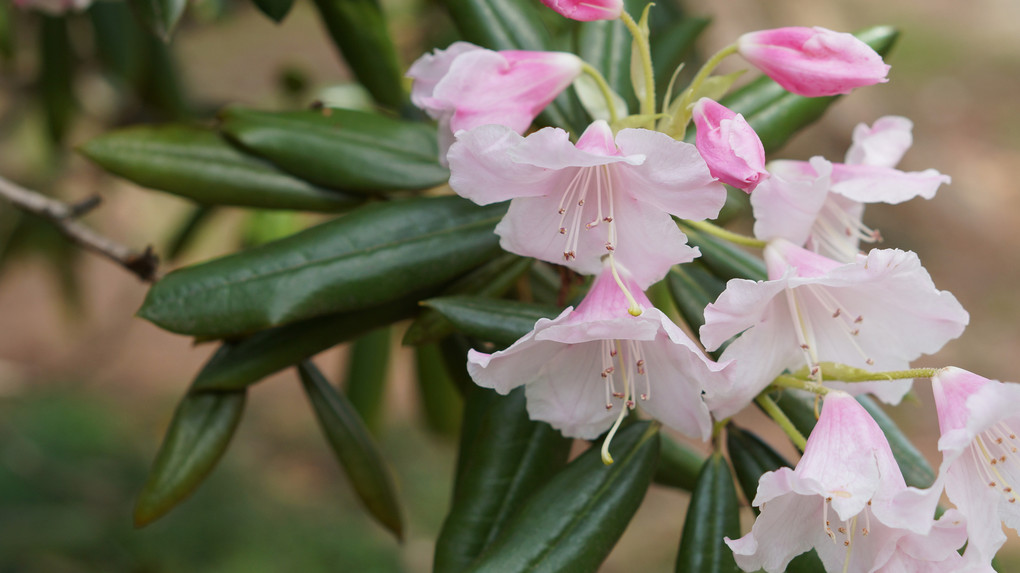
{"type": "Point", "coordinates": [881, 145]}
{"type": "Point", "coordinates": [788, 203]}
{"type": "Point", "coordinates": [730, 147]}
{"type": "Point", "coordinates": [482, 169]}
{"type": "Point", "coordinates": [869, 184]}
{"type": "Point", "coordinates": [587, 10]}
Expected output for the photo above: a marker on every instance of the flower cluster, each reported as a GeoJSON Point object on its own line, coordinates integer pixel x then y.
{"type": "Point", "coordinates": [829, 318]}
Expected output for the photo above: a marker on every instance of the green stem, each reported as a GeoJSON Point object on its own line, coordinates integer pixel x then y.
{"type": "Point", "coordinates": [647, 102]}
{"type": "Point", "coordinates": [785, 381]}
{"type": "Point", "coordinates": [607, 92]}
{"type": "Point", "coordinates": [730, 236]}
{"type": "Point", "coordinates": [772, 409]}
{"type": "Point", "coordinates": [843, 373]}
{"type": "Point", "coordinates": [717, 434]}
{"type": "Point", "coordinates": [707, 70]}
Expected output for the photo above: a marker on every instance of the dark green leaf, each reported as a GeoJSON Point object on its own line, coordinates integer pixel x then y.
{"type": "Point", "coordinates": [678, 465]}
{"type": "Point", "coordinates": [341, 149]}
{"type": "Point", "coordinates": [693, 287]}
{"type": "Point", "coordinates": [277, 10]}
{"type": "Point", "coordinates": [439, 397]}
{"type": "Point", "coordinates": [574, 520]}
{"type": "Point", "coordinates": [751, 457]}
{"type": "Point", "coordinates": [354, 448]}
{"type": "Point", "coordinates": [724, 259]}
{"type": "Point", "coordinates": [498, 321]}
{"type": "Point", "coordinates": [198, 435]}
{"type": "Point", "coordinates": [504, 457]}
{"type": "Point", "coordinates": [359, 30]}
{"type": "Point", "coordinates": [492, 279]}
{"type": "Point", "coordinates": [56, 76]}
{"type": "Point", "coordinates": [6, 32]}
{"type": "Point", "coordinates": [671, 46]}
{"type": "Point", "coordinates": [712, 515]}
{"type": "Point", "coordinates": [367, 371]}
{"type": "Point", "coordinates": [269, 351]}
{"type": "Point", "coordinates": [198, 164]}
{"type": "Point", "coordinates": [605, 44]}
{"type": "Point", "coordinates": [373, 255]}
{"type": "Point", "coordinates": [118, 40]}
{"type": "Point", "coordinates": [159, 16]}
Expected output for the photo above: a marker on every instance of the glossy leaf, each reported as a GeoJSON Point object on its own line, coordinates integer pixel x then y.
{"type": "Point", "coordinates": [712, 515]}
{"type": "Point", "coordinates": [492, 279]}
{"type": "Point", "coordinates": [724, 259]}
{"type": "Point", "coordinates": [198, 164]}
{"type": "Point", "coordinates": [252, 359]}
{"type": "Point", "coordinates": [342, 149]}
{"type": "Point", "coordinates": [118, 40]}
{"type": "Point", "coordinates": [441, 402]}
{"type": "Point", "coordinates": [672, 44]}
{"type": "Point", "coordinates": [501, 322]}
{"type": "Point", "coordinates": [367, 373]}
{"type": "Point", "coordinates": [353, 446]}
{"type": "Point", "coordinates": [56, 75]}
{"type": "Point", "coordinates": [679, 466]}
{"type": "Point", "coordinates": [693, 287]}
{"type": "Point", "coordinates": [504, 458]}
{"type": "Point", "coordinates": [160, 16]}
{"type": "Point", "coordinates": [605, 44]}
{"type": "Point", "coordinates": [277, 10]}
{"type": "Point", "coordinates": [373, 255]}
{"type": "Point", "coordinates": [751, 457]}
{"type": "Point", "coordinates": [574, 520]}
{"type": "Point", "coordinates": [199, 434]}
{"type": "Point", "coordinates": [359, 30]}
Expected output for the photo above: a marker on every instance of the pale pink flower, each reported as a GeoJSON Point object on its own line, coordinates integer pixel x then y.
{"type": "Point", "coordinates": [465, 86]}
{"type": "Point", "coordinates": [847, 500]}
{"type": "Point", "coordinates": [587, 10]}
{"type": "Point", "coordinates": [580, 368]}
{"type": "Point", "coordinates": [820, 204]}
{"type": "Point", "coordinates": [979, 421]}
{"type": "Point", "coordinates": [730, 146]}
{"type": "Point", "coordinates": [877, 313]}
{"type": "Point", "coordinates": [813, 62]}
{"type": "Point", "coordinates": [53, 7]}
{"type": "Point", "coordinates": [574, 204]}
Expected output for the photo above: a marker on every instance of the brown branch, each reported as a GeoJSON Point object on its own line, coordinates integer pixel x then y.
{"type": "Point", "coordinates": [63, 215]}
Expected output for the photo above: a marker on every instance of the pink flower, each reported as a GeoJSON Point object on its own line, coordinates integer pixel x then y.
{"type": "Point", "coordinates": [813, 62]}
{"type": "Point", "coordinates": [847, 500]}
{"type": "Point", "coordinates": [979, 421]}
{"type": "Point", "coordinates": [820, 204]}
{"type": "Point", "coordinates": [574, 204]}
{"type": "Point", "coordinates": [587, 10]}
{"type": "Point", "coordinates": [877, 313]}
{"type": "Point", "coordinates": [465, 86]}
{"type": "Point", "coordinates": [581, 367]}
{"type": "Point", "coordinates": [730, 146]}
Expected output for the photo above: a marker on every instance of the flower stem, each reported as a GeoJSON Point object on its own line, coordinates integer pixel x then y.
{"type": "Point", "coordinates": [844, 373]}
{"type": "Point", "coordinates": [645, 51]}
{"type": "Point", "coordinates": [706, 70]}
{"type": "Point", "coordinates": [607, 92]}
{"type": "Point", "coordinates": [772, 409]}
{"type": "Point", "coordinates": [786, 381]}
{"type": "Point", "coordinates": [730, 236]}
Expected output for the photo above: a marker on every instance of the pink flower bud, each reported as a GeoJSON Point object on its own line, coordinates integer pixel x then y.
{"type": "Point", "coordinates": [813, 62]}
{"type": "Point", "coordinates": [730, 146]}
{"type": "Point", "coordinates": [587, 10]}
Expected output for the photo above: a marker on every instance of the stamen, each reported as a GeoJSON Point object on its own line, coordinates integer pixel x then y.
{"type": "Point", "coordinates": [803, 332]}
{"type": "Point", "coordinates": [607, 459]}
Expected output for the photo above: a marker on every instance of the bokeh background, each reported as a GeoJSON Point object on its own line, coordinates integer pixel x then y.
{"type": "Point", "coordinates": [87, 389]}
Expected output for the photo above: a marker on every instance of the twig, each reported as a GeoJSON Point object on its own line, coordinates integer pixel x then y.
{"type": "Point", "coordinates": [63, 215]}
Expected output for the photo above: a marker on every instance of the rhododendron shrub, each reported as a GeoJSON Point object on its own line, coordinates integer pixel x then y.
{"type": "Point", "coordinates": [552, 236]}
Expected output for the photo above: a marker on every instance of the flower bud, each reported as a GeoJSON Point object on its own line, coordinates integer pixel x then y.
{"type": "Point", "coordinates": [587, 10]}
{"type": "Point", "coordinates": [730, 146]}
{"type": "Point", "coordinates": [813, 62]}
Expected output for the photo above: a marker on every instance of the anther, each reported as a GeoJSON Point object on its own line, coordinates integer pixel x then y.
{"type": "Point", "coordinates": [836, 314]}
{"type": "Point", "coordinates": [617, 394]}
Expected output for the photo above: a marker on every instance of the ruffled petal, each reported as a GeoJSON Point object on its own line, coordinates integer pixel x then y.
{"type": "Point", "coordinates": [883, 144]}
{"type": "Point", "coordinates": [871, 184]}
{"type": "Point", "coordinates": [787, 204]}
{"type": "Point", "coordinates": [482, 170]}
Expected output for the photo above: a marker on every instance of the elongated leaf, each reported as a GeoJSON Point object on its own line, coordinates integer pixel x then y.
{"type": "Point", "coordinates": [712, 515]}
{"type": "Point", "coordinates": [751, 457]}
{"type": "Point", "coordinates": [503, 459]}
{"type": "Point", "coordinates": [440, 400]}
{"type": "Point", "coordinates": [605, 44]}
{"type": "Point", "coordinates": [252, 359]}
{"type": "Point", "coordinates": [693, 287]}
{"type": "Point", "coordinates": [679, 466]}
{"type": "Point", "coordinates": [277, 10]}
{"type": "Point", "coordinates": [515, 25]}
{"type": "Point", "coordinates": [198, 436]}
{"type": "Point", "coordinates": [492, 279]}
{"type": "Point", "coordinates": [367, 371]}
{"type": "Point", "coordinates": [671, 45]}
{"type": "Point", "coordinates": [198, 164]}
{"type": "Point", "coordinates": [160, 16]}
{"type": "Point", "coordinates": [359, 30]}
{"type": "Point", "coordinates": [726, 260]}
{"type": "Point", "coordinates": [499, 321]}
{"type": "Point", "coordinates": [118, 40]}
{"type": "Point", "coordinates": [375, 254]}
{"type": "Point", "coordinates": [354, 448]}
{"type": "Point", "coordinates": [342, 149]}
{"type": "Point", "coordinates": [56, 75]}
{"type": "Point", "coordinates": [572, 523]}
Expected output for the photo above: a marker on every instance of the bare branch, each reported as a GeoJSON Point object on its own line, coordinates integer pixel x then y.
{"type": "Point", "coordinates": [63, 215]}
